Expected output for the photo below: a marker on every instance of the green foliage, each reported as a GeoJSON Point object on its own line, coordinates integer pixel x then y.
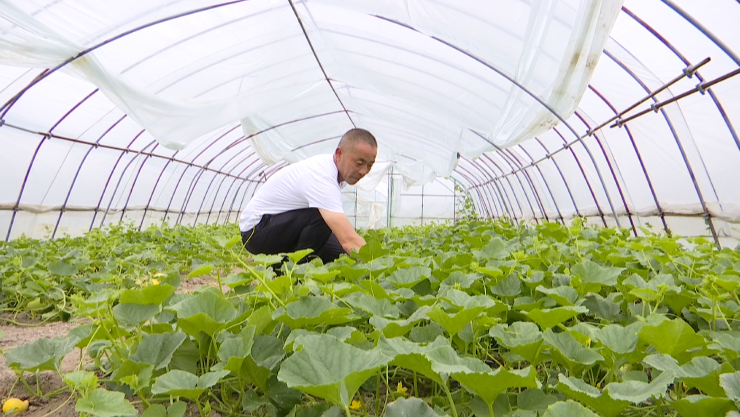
{"type": "Point", "coordinates": [481, 318]}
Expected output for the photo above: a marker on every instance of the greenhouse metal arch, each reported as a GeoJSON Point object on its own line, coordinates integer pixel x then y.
{"type": "Point", "coordinates": [176, 112]}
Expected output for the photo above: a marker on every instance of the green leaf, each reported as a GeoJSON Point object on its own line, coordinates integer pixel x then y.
{"type": "Point", "coordinates": [311, 311]}
{"type": "Point", "coordinates": [569, 352]}
{"type": "Point", "coordinates": [489, 385]}
{"type": "Point", "coordinates": [593, 276]}
{"type": "Point", "coordinates": [600, 401]}
{"type": "Point", "coordinates": [395, 328]}
{"type": "Point", "coordinates": [731, 384]}
{"type": "Point", "coordinates": [237, 347]}
{"type": "Point", "coordinates": [184, 384]}
{"type": "Point", "coordinates": [373, 306]}
{"type": "Point", "coordinates": [104, 403]}
{"type": "Point", "coordinates": [620, 340]}
{"type": "Point", "coordinates": [298, 255]}
{"type": "Point", "coordinates": [563, 295]}
{"type": "Point", "coordinates": [637, 392]}
{"type": "Point", "coordinates": [672, 337]}
{"type": "Point", "coordinates": [157, 349]}
{"type": "Point", "coordinates": [701, 373]}
{"type": "Point", "coordinates": [412, 407]}
{"type": "Point", "coordinates": [413, 356]}
{"type": "Point", "coordinates": [40, 355]}
{"type": "Point", "coordinates": [535, 399]}
{"type": "Point", "coordinates": [82, 381]}
{"type": "Point", "coordinates": [283, 397]}
{"type": "Point", "coordinates": [322, 273]}
{"type": "Point", "coordinates": [602, 307]}
{"type": "Point", "coordinates": [152, 294]}
{"type": "Point", "coordinates": [64, 269]}
{"type": "Point", "coordinates": [155, 410]}
{"type": "Point", "coordinates": [409, 277]}
{"type": "Point", "coordinates": [329, 369]}
{"type": "Point", "coordinates": [551, 317]}
{"type": "Point", "coordinates": [206, 312]}
{"type": "Point", "coordinates": [137, 375]}
{"type": "Point", "coordinates": [702, 406]}
{"type": "Point", "coordinates": [511, 286]}
{"type": "Point", "coordinates": [495, 249]}
{"type": "Point", "coordinates": [454, 323]}
{"type": "Point", "coordinates": [568, 409]}
{"type": "Point", "coordinates": [201, 270]}
{"type": "Point", "coordinates": [522, 338]}
{"type": "Point", "coordinates": [267, 260]}
{"type": "Point", "coordinates": [131, 315]}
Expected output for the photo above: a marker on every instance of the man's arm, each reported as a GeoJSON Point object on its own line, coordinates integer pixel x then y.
{"type": "Point", "coordinates": [343, 230]}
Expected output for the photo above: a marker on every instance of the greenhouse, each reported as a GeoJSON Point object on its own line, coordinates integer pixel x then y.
{"type": "Point", "coordinates": [551, 226]}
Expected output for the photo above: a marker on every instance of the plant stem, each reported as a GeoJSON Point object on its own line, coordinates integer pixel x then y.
{"type": "Point", "coordinates": [449, 399]}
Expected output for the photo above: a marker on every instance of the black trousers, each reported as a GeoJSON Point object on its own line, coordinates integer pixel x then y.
{"type": "Point", "coordinates": [292, 231]}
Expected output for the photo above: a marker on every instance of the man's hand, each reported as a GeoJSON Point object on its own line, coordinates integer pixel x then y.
{"type": "Point", "coordinates": [343, 230]}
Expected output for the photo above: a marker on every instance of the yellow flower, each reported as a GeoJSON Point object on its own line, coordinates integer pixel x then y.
{"type": "Point", "coordinates": [400, 388]}
{"type": "Point", "coordinates": [155, 282]}
{"type": "Point", "coordinates": [588, 342]}
{"type": "Point", "coordinates": [14, 406]}
{"type": "Point", "coordinates": [355, 405]}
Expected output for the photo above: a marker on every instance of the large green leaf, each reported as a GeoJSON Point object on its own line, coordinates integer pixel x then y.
{"type": "Point", "coordinates": [374, 306]}
{"type": "Point", "coordinates": [478, 377]}
{"type": "Point", "coordinates": [40, 355]}
{"type": "Point", "coordinates": [702, 372]}
{"type": "Point", "coordinates": [152, 294]}
{"type": "Point", "coordinates": [702, 406]}
{"type": "Point", "coordinates": [563, 295]}
{"type": "Point", "coordinates": [412, 407]}
{"type": "Point", "coordinates": [395, 328]}
{"type": "Point", "coordinates": [132, 315]}
{"type": "Point", "coordinates": [551, 317]}
{"type": "Point", "coordinates": [535, 399]}
{"type": "Point", "coordinates": [184, 384]}
{"type": "Point", "coordinates": [63, 268]}
{"type": "Point", "coordinates": [568, 409]}
{"type": "Point", "coordinates": [567, 350]}
{"type": "Point", "coordinates": [204, 312]}
{"type": "Point", "coordinates": [593, 276]}
{"type": "Point", "coordinates": [522, 338]}
{"type": "Point", "coordinates": [312, 311]}
{"type": "Point", "coordinates": [454, 322]}
{"type": "Point", "coordinates": [414, 356]}
{"type": "Point", "coordinates": [673, 337]}
{"type": "Point", "coordinates": [600, 401]}
{"type": "Point", "coordinates": [330, 369]}
{"type": "Point", "coordinates": [409, 277]}
{"type": "Point", "coordinates": [618, 339]}
{"type": "Point", "coordinates": [730, 382]}
{"type": "Point", "coordinates": [104, 403]}
{"type": "Point", "coordinates": [157, 349]}
{"type": "Point", "coordinates": [637, 391]}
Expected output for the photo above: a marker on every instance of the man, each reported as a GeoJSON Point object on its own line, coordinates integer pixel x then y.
{"type": "Point", "coordinates": [300, 207]}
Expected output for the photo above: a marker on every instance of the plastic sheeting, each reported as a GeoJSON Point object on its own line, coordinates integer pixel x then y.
{"type": "Point", "coordinates": [179, 110]}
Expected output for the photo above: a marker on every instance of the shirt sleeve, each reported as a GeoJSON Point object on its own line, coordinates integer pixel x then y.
{"type": "Point", "coordinates": [324, 193]}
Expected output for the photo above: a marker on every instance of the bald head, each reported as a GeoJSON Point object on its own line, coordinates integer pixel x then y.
{"type": "Point", "coordinates": [355, 155]}
{"type": "Point", "coordinates": [354, 136]}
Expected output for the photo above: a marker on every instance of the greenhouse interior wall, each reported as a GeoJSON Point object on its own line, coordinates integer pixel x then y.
{"type": "Point", "coordinates": [622, 112]}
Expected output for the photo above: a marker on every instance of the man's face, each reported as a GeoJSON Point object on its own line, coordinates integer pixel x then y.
{"type": "Point", "coordinates": [355, 162]}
